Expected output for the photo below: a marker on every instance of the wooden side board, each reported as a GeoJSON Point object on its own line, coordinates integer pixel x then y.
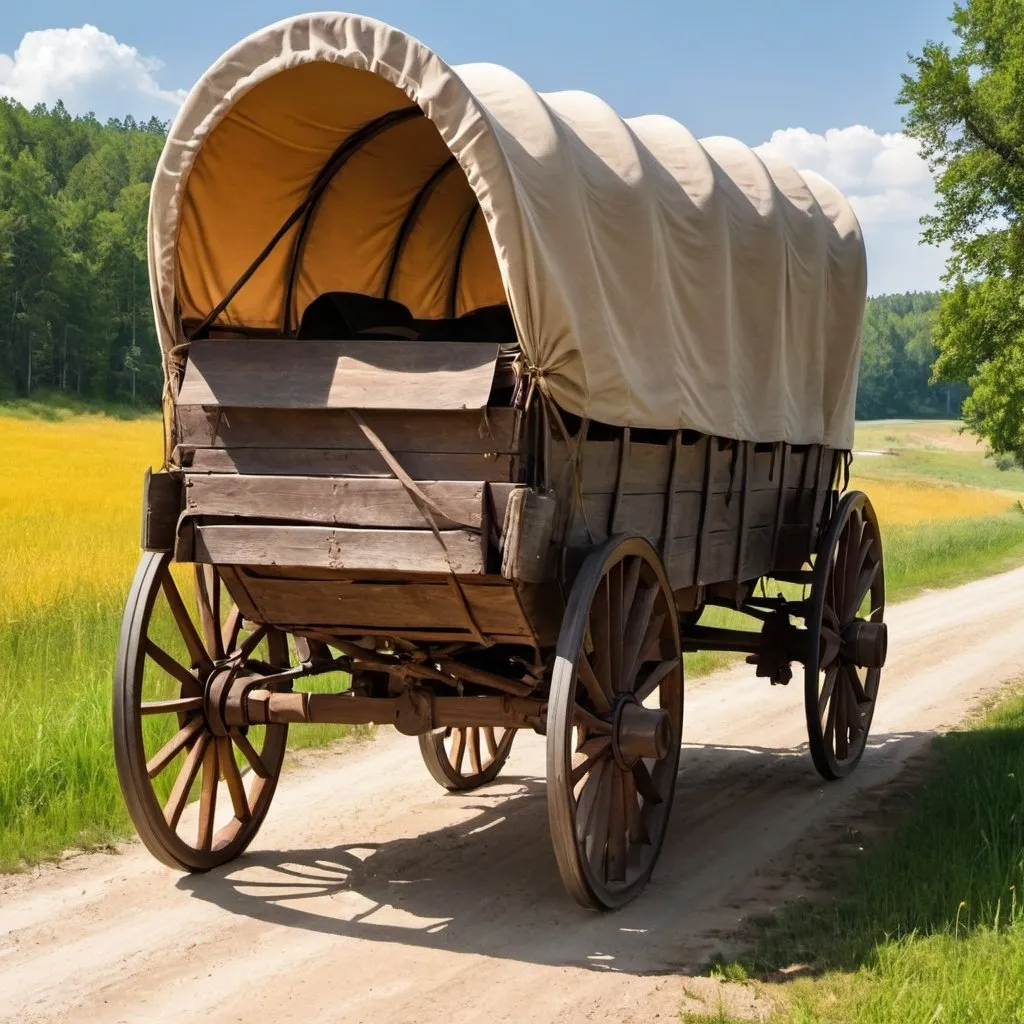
{"type": "Point", "coordinates": [402, 551]}
{"type": "Point", "coordinates": [450, 431]}
{"type": "Point", "coordinates": [466, 445]}
{"type": "Point", "coordinates": [335, 462]}
{"type": "Point", "coordinates": [375, 503]}
{"type": "Point", "coordinates": [717, 510]}
{"type": "Point", "coordinates": [290, 374]}
{"type": "Point", "coordinates": [340, 603]}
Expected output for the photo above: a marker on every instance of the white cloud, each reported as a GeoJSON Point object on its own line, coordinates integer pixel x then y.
{"type": "Point", "coordinates": [890, 188]}
{"type": "Point", "coordinates": [88, 70]}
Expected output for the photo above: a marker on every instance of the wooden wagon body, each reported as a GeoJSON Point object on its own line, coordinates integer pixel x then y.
{"type": "Point", "coordinates": [474, 548]}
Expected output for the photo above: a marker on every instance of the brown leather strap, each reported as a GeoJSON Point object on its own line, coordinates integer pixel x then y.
{"type": "Point", "coordinates": [414, 489]}
{"type": "Point", "coordinates": [425, 507]}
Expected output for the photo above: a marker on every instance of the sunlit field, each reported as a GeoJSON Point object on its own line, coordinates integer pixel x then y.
{"type": "Point", "coordinates": [70, 492]}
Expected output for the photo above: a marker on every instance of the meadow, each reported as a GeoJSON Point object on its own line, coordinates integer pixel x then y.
{"type": "Point", "coordinates": [70, 489]}
{"type": "Point", "coordinates": [927, 925]}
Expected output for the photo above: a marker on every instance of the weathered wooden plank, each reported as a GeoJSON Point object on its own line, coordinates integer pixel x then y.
{"type": "Point", "coordinates": [459, 431]}
{"type": "Point", "coordinates": [339, 501]}
{"type": "Point", "coordinates": [354, 605]}
{"type": "Point", "coordinates": [287, 374]}
{"type": "Point", "coordinates": [645, 473]}
{"type": "Point", "coordinates": [331, 462]}
{"type": "Point", "coordinates": [757, 553]}
{"type": "Point", "coordinates": [339, 548]}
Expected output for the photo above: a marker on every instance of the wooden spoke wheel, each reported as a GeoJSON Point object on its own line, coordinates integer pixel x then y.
{"type": "Point", "coordinates": [170, 743]}
{"type": "Point", "coordinates": [615, 718]}
{"type": "Point", "coordinates": [847, 637]}
{"type": "Point", "coordinates": [462, 759]}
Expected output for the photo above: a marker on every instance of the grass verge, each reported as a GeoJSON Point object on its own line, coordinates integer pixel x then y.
{"type": "Point", "coordinates": [927, 926]}
{"type": "Point", "coordinates": [58, 784]}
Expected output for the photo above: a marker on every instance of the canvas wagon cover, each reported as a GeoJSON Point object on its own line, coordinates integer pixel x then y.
{"type": "Point", "coordinates": [655, 280]}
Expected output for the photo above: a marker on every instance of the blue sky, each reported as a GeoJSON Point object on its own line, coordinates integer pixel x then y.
{"type": "Point", "coordinates": [815, 80]}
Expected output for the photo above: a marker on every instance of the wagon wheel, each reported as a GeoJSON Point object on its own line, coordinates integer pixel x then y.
{"type": "Point", "coordinates": [615, 718]}
{"type": "Point", "coordinates": [847, 637]}
{"type": "Point", "coordinates": [464, 759]}
{"type": "Point", "coordinates": [170, 743]}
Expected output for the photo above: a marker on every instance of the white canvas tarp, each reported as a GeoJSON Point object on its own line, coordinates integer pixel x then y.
{"type": "Point", "coordinates": [655, 280]}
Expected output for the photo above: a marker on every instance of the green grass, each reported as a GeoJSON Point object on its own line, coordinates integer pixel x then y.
{"type": "Point", "coordinates": [57, 406]}
{"type": "Point", "coordinates": [926, 926]}
{"type": "Point", "coordinates": [58, 784]}
{"type": "Point", "coordinates": [972, 469]}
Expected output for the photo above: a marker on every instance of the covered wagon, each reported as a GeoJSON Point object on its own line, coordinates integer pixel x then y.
{"type": "Point", "coordinates": [476, 399]}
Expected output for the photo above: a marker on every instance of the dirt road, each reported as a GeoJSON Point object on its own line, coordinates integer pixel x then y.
{"type": "Point", "coordinates": [370, 895]}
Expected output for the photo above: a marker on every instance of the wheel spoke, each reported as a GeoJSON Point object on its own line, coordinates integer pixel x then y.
{"type": "Point", "coordinates": [188, 681]}
{"type": "Point", "coordinates": [458, 749]}
{"type": "Point", "coordinates": [594, 751]}
{"type": "Point", "coordinates": [208, 797]}
{"type": "Point", "coordinates": [232, 628]}
{"type": "Point", "coordinates": [654, 678]}
{"type": "Point", "coordinates": [186, 626]}
{"type": "Point", "coordinates": [645, 784]}
{"type": "Point", "coordinates": [617, 829]}
{"type": "Point", "coordinates": [827, 688]}
{"type": "Point", "coordinates": [631, 579]}
{"type": "Point", "coordinates": [637, 633]}
{"type": "Point", "coordinates": [868, 575]}
{"type": "Point", "coordinates": [651, 646]}
{"type": "Point", "coordinates": [841, 726]}
{"type": "Point", "coordinates": [249, 753]}
{"type": "Point", "coordinates": [251, 642]}
{"type": "Point", "coordinates": [594, 686]}
{"type": "Point", "coordinates": [832, 645]}
{"type": "Point", "coordinates": [176, 705]}
{"type": "Point", "coordinates": [183, 783]}
{"type": "Point", "coordinates": [857, 692]}
{"type": "Point", "coordinates": [634, 818]}
{"type": "Point", "coordinates": [599, 629]}
{"type": "Point", "coordinates": [492, 742]}
{"type": "Point", "coordinates": [591, 722]}
{"type": "Point", "coordinates": [170, 750]}
{"type": "Point", "coordinates": [597, 834]}
{"type": "Point", "coordinates": [233, 778]}
{"type": "Point", "coordinates": [208, 603]}
{"type": "Point", "coordinates": [615, 625]}
{"type": "Point", "coordinates": [475, 764]}
{"type": "Point", "coordinates": [587, 800]}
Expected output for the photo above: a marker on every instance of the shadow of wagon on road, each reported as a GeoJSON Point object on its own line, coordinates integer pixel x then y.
{"type": "Point", "coordinates": [488, 885]}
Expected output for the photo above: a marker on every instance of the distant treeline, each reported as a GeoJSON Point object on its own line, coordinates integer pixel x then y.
{"type": "Point", "coordinates": [896, 360]}
{"type": "Point", "coordinates": [75, 313]}
{"type": "Point", "coordinates": [74, 293]}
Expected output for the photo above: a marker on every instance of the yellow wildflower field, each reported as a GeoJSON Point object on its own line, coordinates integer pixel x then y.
{"type": "Point", "coordinates": [70, 497]}
{"type": "Point", "coordinates": [918, 501]}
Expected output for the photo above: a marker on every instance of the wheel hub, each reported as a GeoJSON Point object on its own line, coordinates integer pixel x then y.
{"type": "Point", "coordinates": [215, 695]}
{"type": "Point", "coordinates": [639, 732]}
{"type": "Point", "coordinates": [865, 643]}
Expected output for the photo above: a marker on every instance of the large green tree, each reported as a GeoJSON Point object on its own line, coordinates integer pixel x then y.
{"type": "Point", "coordinates": [966, 107]}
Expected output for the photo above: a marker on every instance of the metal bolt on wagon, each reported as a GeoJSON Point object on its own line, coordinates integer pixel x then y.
{"type": "Point", "coordinates": [476, 400]}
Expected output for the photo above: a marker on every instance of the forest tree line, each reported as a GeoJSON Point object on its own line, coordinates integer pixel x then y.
{"type": "Point", "coordinates": [75, 312]}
